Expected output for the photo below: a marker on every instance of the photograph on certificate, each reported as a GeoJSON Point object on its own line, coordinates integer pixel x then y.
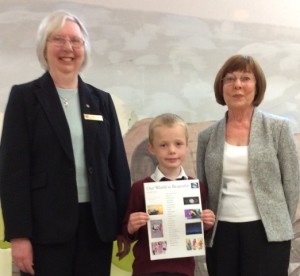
{"type": "Point", "coordinates": [156, 228]}
{"type": "Point", "coordinates": [155, 210]}
{"type": "Point", "coordinates": [192, 213]}
{"type": "Point", "coordinates": [191, 200]}
{"type": "Point", "coordinates": [193, 228]}
{"type": "Point", "coordinates": [194, 243]}
{"type": "Point", "coordinates": [159, 248]}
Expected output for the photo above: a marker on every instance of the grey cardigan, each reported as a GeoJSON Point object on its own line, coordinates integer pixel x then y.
{"type": "Point", "coordinates": [274, 170]}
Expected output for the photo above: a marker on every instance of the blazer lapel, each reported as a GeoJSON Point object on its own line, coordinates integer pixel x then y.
{"type": "Point", "coordinates": [89, 104]}
{"type": "Point", "coordinates": [49, 99]}
{"type": "Point", "coordinates": [255, 130]}
{"type": "Point", "coordinates": [219, 144]}
{"type": "Point", "coordinates": [256, 136]}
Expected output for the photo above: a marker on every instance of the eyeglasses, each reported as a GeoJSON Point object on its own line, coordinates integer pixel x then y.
{"type": "Point", "coordinates": [244, 79]}
{"type": "Point", "coordinates": [59, 41]}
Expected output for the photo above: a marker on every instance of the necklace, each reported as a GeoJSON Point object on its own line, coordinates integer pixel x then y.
{"type": "Point", "coordinates": [72, 93]}
{"type": "Point", "coordinates": [65, 101]}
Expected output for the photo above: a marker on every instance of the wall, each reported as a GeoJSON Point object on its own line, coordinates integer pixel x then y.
{"type": "Point", "coordinates": [153, 55]}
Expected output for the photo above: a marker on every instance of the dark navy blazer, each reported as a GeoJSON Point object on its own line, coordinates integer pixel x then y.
{"type": "Point", "coordinates": [37, 167]}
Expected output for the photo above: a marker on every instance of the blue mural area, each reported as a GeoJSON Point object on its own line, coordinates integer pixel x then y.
{"type": "Point", "coordinates": [152, 59]}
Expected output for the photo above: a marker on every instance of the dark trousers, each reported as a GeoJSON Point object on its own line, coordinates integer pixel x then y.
{"type": "Point", "coordinates": [84, 255]}
{"type": "Point", "coordinates": [242, 249]}
{"type": "Point", "coordinates": [163, 274]}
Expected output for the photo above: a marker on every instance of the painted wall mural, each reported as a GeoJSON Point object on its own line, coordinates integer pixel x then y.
{"type": "Point", "coordinates": [154, 61]}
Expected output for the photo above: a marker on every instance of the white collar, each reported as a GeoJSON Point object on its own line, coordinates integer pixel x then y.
{"type": "Point", "coordinates": [158, 175]}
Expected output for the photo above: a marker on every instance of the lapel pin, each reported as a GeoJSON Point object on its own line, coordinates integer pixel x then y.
{"type": "Point", "coordinates": [87, 105]}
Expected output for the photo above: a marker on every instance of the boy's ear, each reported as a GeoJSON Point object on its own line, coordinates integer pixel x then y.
{"type": "Point", "coordinates": [150, 149]}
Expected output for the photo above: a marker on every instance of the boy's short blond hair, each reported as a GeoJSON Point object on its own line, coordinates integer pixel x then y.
{"type": "Point", "coordinates": [169, 120]}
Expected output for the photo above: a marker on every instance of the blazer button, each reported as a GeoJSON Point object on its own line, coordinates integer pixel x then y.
{"type": "Point", "coordinates": [90, 170]}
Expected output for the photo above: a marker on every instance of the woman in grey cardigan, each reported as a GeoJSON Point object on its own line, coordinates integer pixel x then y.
{"type": "Point", "coordinates": [249, 163]}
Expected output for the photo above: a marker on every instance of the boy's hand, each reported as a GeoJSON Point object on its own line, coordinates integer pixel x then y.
{"type": "Point", "coordinates": [123, 247]}
{"type": "Point", "coordinates": [136, 221]}
{"type": "Point", "coordinates": [208, 217]}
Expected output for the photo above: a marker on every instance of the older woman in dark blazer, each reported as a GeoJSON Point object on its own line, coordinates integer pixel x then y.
{"type": "Point", "coordinates": [249, 162]}
{"type": "Point", "coordinates": [64, 175]}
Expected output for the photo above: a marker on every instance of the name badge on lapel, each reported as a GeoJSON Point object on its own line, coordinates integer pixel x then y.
{"type": "Point", "coordinates": [93, 117]}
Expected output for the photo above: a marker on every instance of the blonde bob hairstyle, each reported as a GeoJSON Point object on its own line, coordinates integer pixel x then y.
{"type": "Point", "coordinates": [168, 120]}
{"type": "Point", "coordinates": [52, 23]}
{"type": "Point", "coordinates": [244, 64]}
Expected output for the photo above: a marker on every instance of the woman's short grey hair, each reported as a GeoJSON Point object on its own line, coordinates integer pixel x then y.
{"type": "Point", "coordinates": [52, 23]}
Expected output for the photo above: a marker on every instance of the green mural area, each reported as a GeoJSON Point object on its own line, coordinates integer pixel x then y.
{"type": "Point", "coordinates": [3, 244]}
{"type": "Point", "coordinates": [124, 264]}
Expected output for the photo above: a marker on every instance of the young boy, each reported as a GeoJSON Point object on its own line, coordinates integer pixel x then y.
{"type": "Point", "coordinates": [168, 142]}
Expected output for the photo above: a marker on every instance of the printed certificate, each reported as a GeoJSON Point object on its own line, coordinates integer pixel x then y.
{"type": "Point", "coordinates": [175, 229]}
